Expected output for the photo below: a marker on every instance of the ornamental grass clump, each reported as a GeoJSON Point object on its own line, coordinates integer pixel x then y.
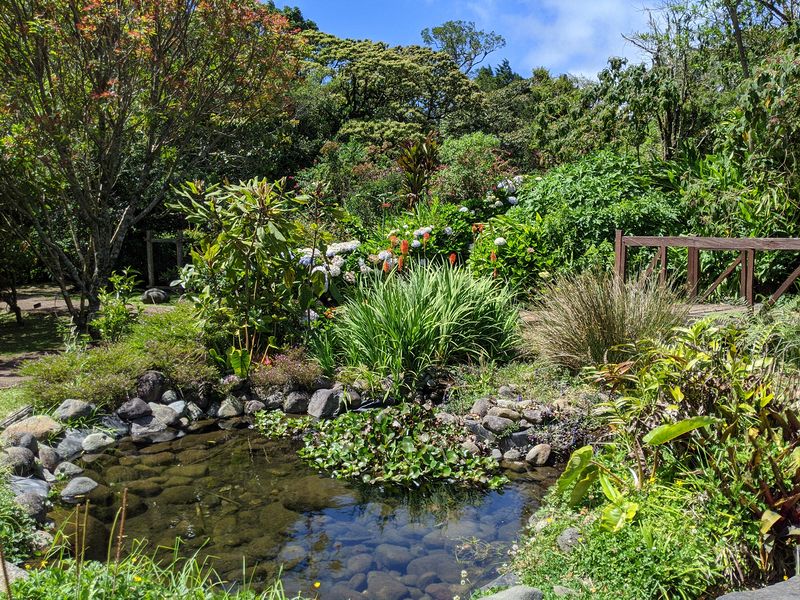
{"type": "Point", "coordinates": [589, 319]}
{"type": "Point", "coordinates": [406, 325]}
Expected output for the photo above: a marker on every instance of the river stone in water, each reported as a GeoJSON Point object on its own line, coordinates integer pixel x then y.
{"type": "Point", "coordinates": [393, 556]}
{"type": "Point", "coordinates": [384, 586]}
{"type": "Point", "coordinates": [179, 406]}
{"type": "Point", "coordinates": [76, 490]}
{"type": "Point", "coordinates": [41, 427]}
{"type": "Point", "coordinates": [96, 441]}
{"type": "Point", "coordinates": [73, 409]}
{"type": "Point", "coordinates": [67, 469]}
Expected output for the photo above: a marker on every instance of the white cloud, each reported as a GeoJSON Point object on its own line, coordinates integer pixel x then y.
{"type": "Point", "coordinates": [575, 36]}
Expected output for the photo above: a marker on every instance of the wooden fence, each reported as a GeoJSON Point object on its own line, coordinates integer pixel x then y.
{"type": "Point", "coordinates": [747, 248]}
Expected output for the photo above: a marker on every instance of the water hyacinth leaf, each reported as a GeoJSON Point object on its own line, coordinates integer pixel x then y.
{"type": "Point", "coordinates": [668, 432]}
{"type": "Point", "coordinates": [768, 519]}
{"type": "Point", "coordinates": [407, 445]}
{"type": "Point", "coordinates": [618, 515]}
{"type": "Point", "coordinates": [578, 462]}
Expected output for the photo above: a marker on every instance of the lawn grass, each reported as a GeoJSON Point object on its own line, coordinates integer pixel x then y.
{"type": "Point", "coordinates": [38, 333]}
{"type": "Point", "coordinates": [12, 399]}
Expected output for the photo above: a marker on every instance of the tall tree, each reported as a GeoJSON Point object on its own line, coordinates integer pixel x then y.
{"type": "Point", "coordinates": [104, 102]}
{"type": "Point", "coordinates": [463, 43]}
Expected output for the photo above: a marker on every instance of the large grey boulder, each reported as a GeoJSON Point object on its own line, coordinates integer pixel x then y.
{"type": "Point", "coordinates": [41, 427]}
{"type": "Point", "coordinates": [481, 407]}
{"type": "Point", "coordinates": [18, 460]}
{"type": "Point", "coordinates": [296, 403]}
{"type": "Point", "coordinates": [133, 409]}
{"type": "Point", "coordinates": [48, 457]}
{"type": "Point", "coordinates": [785, 590]}
{"type": "Point", "coordinates": [253, 406]}
{"type": "Point", "coordinates": [73, 409]}
{"type": "Point", "coordinates": [76, 490]}
{"type": "Point", "coordinates": [518, 592]}
{"type": "Point", "coordinates": [324, 403]}
{"type": "Point", "coordinates": [72, 444]}
{"type": "Point", "coordinates": [14, 573]}
{"type": "Point", "coordinates": [24, 485]}
{"type": "Point", "coordinates": [538, 455]}
{"type": "Point", "coordinates": [67, 469]}
{"type": "Point", "coordinates": [230, 407]}
{"type": "Point", "coordinates": [34, 505]}
{"type": "Point", "coordinates": [147, 426]}
{"type": "Point", "coordinates": [169, 397]}
{"type": "Point", "coordinates": [164, 414]}
{"type": "Point", "coordinates": [150, 386]}
{"type": "Point", "coordinates": [23, 440]}
{"type": "Point", "coordinates": [497, 424]}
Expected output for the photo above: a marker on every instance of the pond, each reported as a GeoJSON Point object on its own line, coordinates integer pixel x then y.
{"type": "Point", "coordinates": [234, 496]}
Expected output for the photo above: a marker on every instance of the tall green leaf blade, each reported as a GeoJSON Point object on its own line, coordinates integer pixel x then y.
{"type": "Point", "coordinates": [578, 462]}
{"type": "Point", "coordinates": [668, 432]}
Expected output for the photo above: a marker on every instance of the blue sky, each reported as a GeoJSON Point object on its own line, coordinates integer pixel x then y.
{"type": "Point", "coordinates": [566, 36]}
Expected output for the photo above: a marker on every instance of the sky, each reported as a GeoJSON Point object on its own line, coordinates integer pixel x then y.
{"type": "Point", "coordinates": [565, 36]}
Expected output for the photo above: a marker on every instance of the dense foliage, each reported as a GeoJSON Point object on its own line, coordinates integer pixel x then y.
{"type": "Point", "coordinates": [404, 325]}
{"type": "Point", "coordinates": [405, 445]}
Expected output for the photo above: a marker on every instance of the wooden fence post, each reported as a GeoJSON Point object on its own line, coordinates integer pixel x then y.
{"type": "Point", "coordinates": [693, 271]}
{"type": "Point", "coordinates": [619, 255]}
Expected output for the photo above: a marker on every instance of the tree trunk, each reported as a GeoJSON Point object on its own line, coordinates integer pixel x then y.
{"type": "Point", "coordinates": [733, 11]}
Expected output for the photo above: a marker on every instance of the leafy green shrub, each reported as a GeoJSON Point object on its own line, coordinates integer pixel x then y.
{"type": "Point", "coordinates": [405, 325]}
{"type": "Point", "coordinates": [403, 445]}
{"type": "Point", "coordinates": [472, 165]}
{"type": "Point", "coordinates": [566, 219]}
{"type": "Point", "coordinates": [135, 576]}
{"type": "Point", "coordinates": [588, 319]}
{"type": "Point", "coordinates": [292, 366]}
{"type": "Point", "coordinates": [244, 276]}
{"type": "Point", "coordinates": [168, 342]}
{"type": "Point", "coordinates": [16, 527]}
{"type": "Point", "coordinates": [699, 413]}
{"type": "Point", "coordinates": [115, 318]}
{"type": "Point", "coordinates": [674, 550]}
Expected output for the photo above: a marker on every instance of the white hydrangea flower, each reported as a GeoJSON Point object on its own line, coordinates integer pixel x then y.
{"type": "Point", "coordinates": [463, 209]}
{"type": "Point", "coordinates": [500, 241]}
{"type": "Point", "coordinates": [342, 248]}
{"type": "Point", "coordinates": [384, 254]}
{"type": "Point", "coordinates": [309, 317]}
{"type": "Point", "coordinates": [512, 200]}
{"type": "Point", "coordinates": [498, 204]}
{"type": "Point", "coordinates": [416, 244]}
{"type": "Point", "coordinates": [448, 231]}
{"type": "Point", "coordinates": [349, 277]}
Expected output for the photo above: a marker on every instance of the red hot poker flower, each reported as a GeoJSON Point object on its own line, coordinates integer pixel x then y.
{"type": "Point", "coordinates": [404, 247]}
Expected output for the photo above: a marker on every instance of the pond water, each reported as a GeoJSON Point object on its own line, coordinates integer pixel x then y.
{"type": "Point", "coordinates": [234, 496]}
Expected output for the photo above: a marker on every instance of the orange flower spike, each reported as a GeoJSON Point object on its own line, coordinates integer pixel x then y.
{"type": "Point", "coordinates": [452, 259]}
{"type": "Point", "coordinates": [493, 256]}
{"type": "Point", "coordinates": [400, 260]}
{"type": "Point", "coordinates": [425, 237]}
{"type": "Point", "coordinates": [404, 247]}
{"type": "Point", "coordinates": [393, 239]}
{"type": "Point", "coordinates": [386, 266]}
{"type": "Point", "coordinates": [494, 274]}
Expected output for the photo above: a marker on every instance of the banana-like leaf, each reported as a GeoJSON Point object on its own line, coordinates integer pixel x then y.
{"type": "Point", "coordinates": [609, 489]}
{"type": "Point", "coordinates": [578, 462]}
{"type": "Point", "coordinates": [668, 432]}
{"type": "Point", "coordinates": [616, 516]}
{"type": "Point", "coordinates": [583, 484]}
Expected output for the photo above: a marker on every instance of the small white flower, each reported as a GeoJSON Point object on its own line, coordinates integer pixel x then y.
{"type": "Point", "coordinates": [498, 204]}
{"type": "Point", "coordinates": [448, 231]}
{"type": "Point", "coordinates": [512, 200]}
{"type": "Point", "coordinates": [463, 209]}
{"type": "Point", "coordinates": [500, 241]}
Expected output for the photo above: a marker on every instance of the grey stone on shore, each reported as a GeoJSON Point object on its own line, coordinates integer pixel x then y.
{"type": "Point", "coordinates": [76, 490]}
{"type": "Point", "coordinates": [133, 409]}
{"type": "Point", "coordinates": [518, 592]}
{"type": "Point", "coordinates": [73, 409]}
{"type": "Point", "coordinates": [785, 590]}
{"type": "Point", "coordinates": [324, 403]}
